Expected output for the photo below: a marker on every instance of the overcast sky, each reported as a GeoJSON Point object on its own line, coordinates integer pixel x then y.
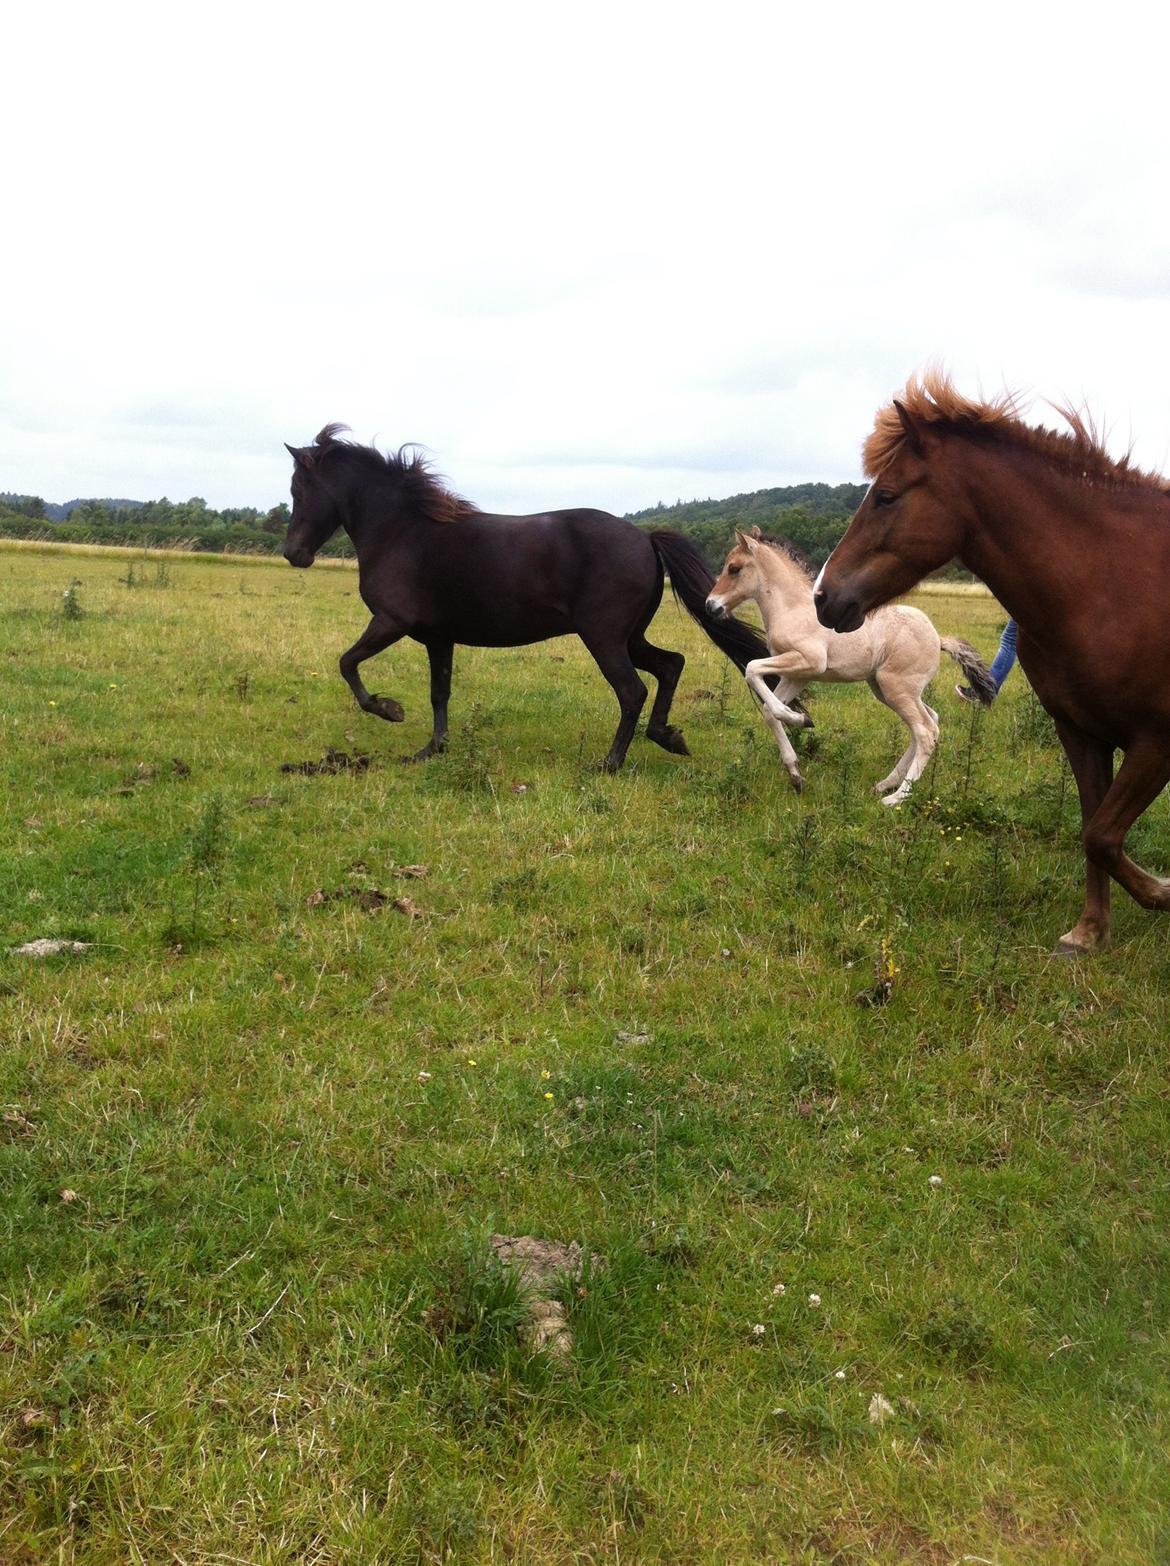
{"type": "Point", "coordinates": [602, 255]}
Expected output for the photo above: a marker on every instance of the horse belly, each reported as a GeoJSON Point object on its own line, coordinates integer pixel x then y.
{"type": "Point", "coordinates": [850, 657]}
{"type": "Point", "coordinates": [515, 626]}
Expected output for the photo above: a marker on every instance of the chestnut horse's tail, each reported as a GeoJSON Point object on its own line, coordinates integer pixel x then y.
{"type": "Point", "coordinates": [691, 580]}
{"type": "Point", "coordinates": [978, 674]}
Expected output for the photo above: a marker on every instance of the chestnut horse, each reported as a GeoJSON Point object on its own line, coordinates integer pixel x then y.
{"type": "Point", "coordinates": [433, 567]}
{"type": "Point", "coordinates": [897, 652]}
{"type": "Point", "coordinates": [1076, 546]}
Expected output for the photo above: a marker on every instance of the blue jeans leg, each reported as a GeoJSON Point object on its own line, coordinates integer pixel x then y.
{"type": "Point", "coordinates": [1006, 656]}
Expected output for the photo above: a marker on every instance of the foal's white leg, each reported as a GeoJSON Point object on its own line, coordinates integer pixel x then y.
{"type": "Point", "coordinates": [896, 776]}
{"type": "Point", "coordinates": [925, 732]}
{"type": "Point", "coordinates": [922, 721]}
{"type": "Point", "coordinates": [787, 754]}
{"type": "Point", "coordinates": [790, 672]}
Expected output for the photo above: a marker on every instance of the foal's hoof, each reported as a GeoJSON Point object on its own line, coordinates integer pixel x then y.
{"type": "Point", "coordinates": [670, 739]}
{"type": "Point", "coordinates": [797, 782]}
{"type": "Point", "coordinates": [386, 707]}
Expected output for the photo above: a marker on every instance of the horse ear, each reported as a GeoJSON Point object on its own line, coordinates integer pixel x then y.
{"type": "Point", "coordinates": [303, 456]}
{"type": "Point", "coordinates": [914, 436]}
{"type": "Point", "coordinates": [743, 538]}
{"type": "Point", "coordinates": [756, 534]}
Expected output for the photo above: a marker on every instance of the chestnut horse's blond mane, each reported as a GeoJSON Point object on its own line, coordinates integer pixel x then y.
{"type": "Point", "coordinates": [931, 399]}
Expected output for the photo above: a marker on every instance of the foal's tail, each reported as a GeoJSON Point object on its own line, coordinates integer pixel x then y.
{"type": "Point", "coordinates": [972, 665]}
{"type": "Point", "coordinates": [692, 581]}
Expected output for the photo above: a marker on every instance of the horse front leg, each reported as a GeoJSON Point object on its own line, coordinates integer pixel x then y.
{"type": "Point", "coordinates": [378, 635]}
{"type": "Point", "coordinates": [1140, 779]}
{"type": "Point", "coordinates": [440, 655]}
{"type": "Point", "coordinates": [792, 673]}
{"type": "Point", "coordinates": [787, 754]}
{"type": "Point", "coordinates": [1092, 766]}
{"type": "Point", "coordinates": [792, 670]}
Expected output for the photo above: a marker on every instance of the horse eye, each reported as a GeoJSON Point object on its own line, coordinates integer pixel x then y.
{"type": "Point", "coordinates": [884, 497]}
{"type": "Point", "coordinates": [734, 570]}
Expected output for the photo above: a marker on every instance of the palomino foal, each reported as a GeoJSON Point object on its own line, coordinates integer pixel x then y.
{"type": "Point", "coordinates": [896, 650]}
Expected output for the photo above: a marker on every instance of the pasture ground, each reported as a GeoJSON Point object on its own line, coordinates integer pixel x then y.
{"type": "Point", "coordinates": [254, 1140]}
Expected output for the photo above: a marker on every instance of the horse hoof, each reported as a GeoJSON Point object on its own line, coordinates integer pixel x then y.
{"type": "Point", "coordinates": [386, 707]}
{"type": "Point", "coordinates": [669, 739]}
{"type": "Point", "coordinates": [1072, 945]}
{"type": "Point", "coordinates": [797, 782]}
{"type": "Point", "coordinates": [429, 749]}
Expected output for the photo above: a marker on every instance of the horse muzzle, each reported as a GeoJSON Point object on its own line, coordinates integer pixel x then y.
{"type": "Point", "coordinates": [301, 558]}
{"type": "Point", "coordinates": [837, 610]}
{"type": "Point", "coordinates": [716, 608]}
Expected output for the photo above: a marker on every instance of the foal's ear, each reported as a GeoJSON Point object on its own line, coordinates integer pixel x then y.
{"type": "Point", "coordinates": [913, 429]}
{"type": "Point", "coordinates": [303, 456]}
{"type": "Point", "coordinates": [756, 534]}
{"type": "Point", "coordinates": [745, 539]}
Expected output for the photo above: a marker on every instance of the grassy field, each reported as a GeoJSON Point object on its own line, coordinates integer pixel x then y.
{"type": "Point", "coordinates": [800, 1070]}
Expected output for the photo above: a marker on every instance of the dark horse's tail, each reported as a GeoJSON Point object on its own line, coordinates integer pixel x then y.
{"type": "Point", "coordinates": [982, 680]}
{"type": "Point", "coordinates": [692, 581]}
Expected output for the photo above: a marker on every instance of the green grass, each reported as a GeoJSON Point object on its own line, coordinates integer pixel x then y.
{"type": "Point", "coordinates": [256, 1332]}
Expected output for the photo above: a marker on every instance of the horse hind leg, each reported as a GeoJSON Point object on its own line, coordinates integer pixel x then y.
{"type": "Point", "coordinates": [895, 778]}
{"type": "Point", "coordinates": [614, 661]}
{"type": "Point", "coordinates": [1141, 777]}
{"type": "Point", "coordinates": [666, 668]}
{"type": "Point", "coordinates": [922, 721]}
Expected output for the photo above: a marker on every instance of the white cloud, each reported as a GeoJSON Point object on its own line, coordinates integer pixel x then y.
{"type": "Point", "coordinates": [599, 257]}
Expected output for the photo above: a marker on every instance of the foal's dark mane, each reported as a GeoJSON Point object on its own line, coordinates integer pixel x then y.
{"type": "Point", "coordinates": [931, 399]}
{"type": "Point", "coordinates": [411, 472]}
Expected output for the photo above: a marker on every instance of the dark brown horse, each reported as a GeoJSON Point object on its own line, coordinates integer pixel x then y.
{"type": "Point", "coordinates": [433, 567]}
{"type": "Point", "coordinates": [1076, 546]}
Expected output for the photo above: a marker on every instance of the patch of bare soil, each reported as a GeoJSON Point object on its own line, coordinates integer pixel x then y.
{"type": "Point", "coordinates": [332, 762]}
{"type": "Point", "coordinates": [48, 947]}
{"type": "Point", "coordinates": [369, 898]}
{"type": "Point", "coordinates": [541, 1264]}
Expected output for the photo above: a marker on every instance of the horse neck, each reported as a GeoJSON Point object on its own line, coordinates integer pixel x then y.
{"type": "Point", "coordinates": [784, 589]}
{"type": "Point", "coordinates": [1036, 533]}
{"type": "Point", "coordinates": [373, 513]}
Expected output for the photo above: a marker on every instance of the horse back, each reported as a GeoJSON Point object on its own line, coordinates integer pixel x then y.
{"type": "Point", "coordinates": [495, 580]}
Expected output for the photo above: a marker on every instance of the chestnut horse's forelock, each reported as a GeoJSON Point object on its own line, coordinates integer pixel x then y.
{"type": "Point", "coordinates": [931, 399]}
{"type": "Point", "coordinates": [423, 487]}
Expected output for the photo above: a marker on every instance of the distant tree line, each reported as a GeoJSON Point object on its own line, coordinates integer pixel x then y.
{"type": "Point", "coordinates": [811, 516]}
{"type": "Point", "coordinates": [158, 524]}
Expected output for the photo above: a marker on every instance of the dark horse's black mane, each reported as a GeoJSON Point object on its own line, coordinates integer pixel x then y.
{"type": "Point", "coordinates": [406, 467]}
